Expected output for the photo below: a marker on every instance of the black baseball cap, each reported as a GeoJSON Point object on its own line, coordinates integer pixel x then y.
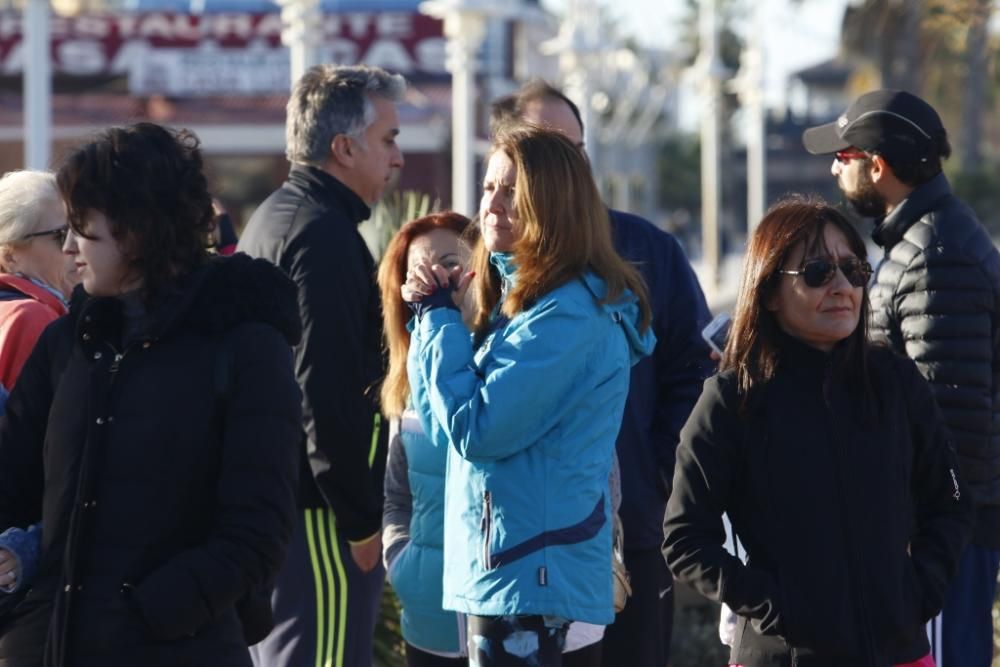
{"type": "Point", "coordinates": [893, 123]}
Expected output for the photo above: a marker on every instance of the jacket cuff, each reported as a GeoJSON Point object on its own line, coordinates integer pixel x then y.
{"type": "Point", "coordinates": [23, 545]}
{"type": "Point", "coordinates": [366, 540]}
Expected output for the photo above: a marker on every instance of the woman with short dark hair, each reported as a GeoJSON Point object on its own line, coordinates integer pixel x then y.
{"type": "Point", "coordinates": [829, 456]}
{"type": "Point", "coordinates": [154, 428]}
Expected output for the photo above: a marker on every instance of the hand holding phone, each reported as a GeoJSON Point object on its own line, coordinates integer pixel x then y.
{"type": "Point", "coordinates": [717, 331]}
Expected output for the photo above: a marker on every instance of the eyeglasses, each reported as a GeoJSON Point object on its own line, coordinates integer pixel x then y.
{"type": "Point", "coordinates": [843, 157]}
{"type": "Point", "coordinates": [819, 272]}
{"type": "Point", "coordinates": [59, 234]}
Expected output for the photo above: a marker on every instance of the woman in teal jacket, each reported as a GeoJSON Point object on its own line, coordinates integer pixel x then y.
{"type": "Point", "coordinates": [531, 405]}
{"type": "Point", "coordinates": [413, 513]}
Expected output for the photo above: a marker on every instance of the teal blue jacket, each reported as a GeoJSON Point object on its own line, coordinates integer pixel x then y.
{"type": "Point", "coordinates": [413, 535]}
{"type": "Point", "coordinates": [530, 420]}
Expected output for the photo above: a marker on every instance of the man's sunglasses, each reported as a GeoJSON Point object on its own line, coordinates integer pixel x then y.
{"type": "Point", "coordinates": [819, 272]}
{"type": "Point", "coordinates": [843, 157]}
{"type": "Point", "coordinates": [59, 234]}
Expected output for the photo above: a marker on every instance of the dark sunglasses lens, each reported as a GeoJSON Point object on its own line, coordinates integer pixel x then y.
{"type": "Point", "coordinates": [856, 271]}
{"type": "Point", "coordinates": [60, 235]}
{"type": "Point", "coordinates": [818, 272]}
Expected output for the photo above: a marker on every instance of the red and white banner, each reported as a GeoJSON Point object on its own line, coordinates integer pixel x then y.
{"type": "Point", "coordinates": [232, 53]}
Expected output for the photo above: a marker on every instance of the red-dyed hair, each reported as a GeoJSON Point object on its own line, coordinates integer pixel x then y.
{"type": "Point", "coordinates": [395, 312]}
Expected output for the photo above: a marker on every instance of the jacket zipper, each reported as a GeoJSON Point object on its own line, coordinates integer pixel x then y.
{"type": "Point", "coordinates": [868, 641]}
{"type": "Point", "coordinates": [486, 525]}
{"type": "Point", "coordinates": [74, 536]}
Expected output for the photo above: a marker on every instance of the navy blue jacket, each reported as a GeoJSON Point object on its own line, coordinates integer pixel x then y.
{"type": "Point", "coordinates": [664, 386]}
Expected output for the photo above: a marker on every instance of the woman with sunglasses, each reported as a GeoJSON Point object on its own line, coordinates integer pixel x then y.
{"type": "Point", "coordinates": [36, 278]}
{"type": "Point", "coordinates": [830, 458]}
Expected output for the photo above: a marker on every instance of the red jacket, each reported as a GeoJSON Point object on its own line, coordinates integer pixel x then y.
{"type": "Point", "coordinates": [21, 323]}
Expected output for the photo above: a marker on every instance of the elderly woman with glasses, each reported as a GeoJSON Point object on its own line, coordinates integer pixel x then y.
{"type": "Point", "coordinates": [831, 459]}
{"type": "Point", "coordinates": [36, 278]}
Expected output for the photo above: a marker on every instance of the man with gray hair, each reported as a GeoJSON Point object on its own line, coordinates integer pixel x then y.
{"type": "Point", "coordinates": [341, 140]}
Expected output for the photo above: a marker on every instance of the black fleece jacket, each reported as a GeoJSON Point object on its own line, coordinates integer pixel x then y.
{"type": "Point", "coordinates": [163, 500]}
{"type": "Point", "coordinates": [853, 524]}
{"type": "Point", "coordinates": [309, 228]}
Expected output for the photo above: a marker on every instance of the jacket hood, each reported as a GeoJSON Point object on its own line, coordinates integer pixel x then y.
{"type": "Point", "coordinates": [225, 292]}
{"type": "Point", "coordinates": [626, 312]}
{"type": "Point", "coordinates": [505, 266]}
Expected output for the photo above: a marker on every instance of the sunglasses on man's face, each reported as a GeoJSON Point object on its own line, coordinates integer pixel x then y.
{"type": "Point", "coordinates": [843, 157]}
{"type": "Point", "coordinates": [819, 272]}
{"type": "Point", "coordinates": [59, 234]}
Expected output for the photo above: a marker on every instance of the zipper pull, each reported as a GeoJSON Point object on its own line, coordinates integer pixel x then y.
{"type": "Point", "coordinates": [116, 363]}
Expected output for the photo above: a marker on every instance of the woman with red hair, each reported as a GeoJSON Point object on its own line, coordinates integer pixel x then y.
{"type": "Point", "coordinates": [413, 518]}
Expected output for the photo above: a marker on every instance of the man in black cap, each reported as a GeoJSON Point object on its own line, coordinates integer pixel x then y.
{"type": "Point", "coordinates": [935, 298]}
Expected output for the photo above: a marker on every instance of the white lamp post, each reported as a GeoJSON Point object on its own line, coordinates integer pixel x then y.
{"type": "Point", "coordinates": [749, 85]}
{"type": "Point", "coordinates": [711, 70]}
{"type": "Point", "coordinates": [465, 29]}
{"type": "Point", "coordinates": [579, 47]}
{"type": "Point", "coordinates": [302, 33]}
{"type": "Point", "coordinates": [37, 85]}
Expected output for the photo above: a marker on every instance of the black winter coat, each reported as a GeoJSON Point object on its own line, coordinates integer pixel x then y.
{"type": "Point", "coordinates": [827, 504]}
{"type": "Point", "coordinates": [309, 228]}
{"type": "Point", "coordinates": [936, 299]}
{"type": "Point", "coordinates": [164, 498]}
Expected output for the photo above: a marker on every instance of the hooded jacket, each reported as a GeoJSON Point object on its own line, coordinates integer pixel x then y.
{"type": "Point", "coordinates": [26, 308]}
{"type": "Point", "coordinates": [530, 419]}
{"type": "Point", "coordinates": [309, 228]}
{"type": "Point", "coordinates": [162, 503]}
{"type": "Point", "coordinates": [936, 299]}
{"type": "Point", "coordinates": [853, 524]}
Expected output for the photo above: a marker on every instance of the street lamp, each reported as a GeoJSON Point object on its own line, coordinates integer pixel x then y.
{"type": "Point", "coordinates": [37, 75]}
{"type": "Point", "coordinates": [465, 29]}
{"type": "Point", "coordinates": [302, 33]}
{"type": "Point", "coordinates": [711, 71]}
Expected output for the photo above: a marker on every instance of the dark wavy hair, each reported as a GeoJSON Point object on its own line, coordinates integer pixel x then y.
{"type": "Point", "coordinates": [754, 347]}
{"type": "Point", "coordinates": [148, 181]}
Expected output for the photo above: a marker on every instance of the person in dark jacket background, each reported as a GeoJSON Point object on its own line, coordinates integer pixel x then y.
{"type": "Point", "coordinates": [164, 478]}
{"type": "Point", "coordinates": [935, 299]}
{"type": "Point", "coordinates": [663, 389]}
{"type": "Point", "coordinates": [341, 132]}
{"type": "Point", "coordinates": [830, 458]}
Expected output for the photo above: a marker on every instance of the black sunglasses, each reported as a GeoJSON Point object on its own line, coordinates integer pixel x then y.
{"type": "Point", "coordinates": [818, 272]}
{"type": "Point", "coordinates": [59, 234]}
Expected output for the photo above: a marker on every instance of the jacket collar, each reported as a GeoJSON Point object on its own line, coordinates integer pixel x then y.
{"type": "Point", "coordinates": [211, 299]}
{"type": "Point", "coordinates": [33, 290]}
{"type": "Point", "coordinates": [326, 188]}
{"type": "Point", "coordinates": [889, 230]}
{"type": "Point", "coordinates": [505, 266]}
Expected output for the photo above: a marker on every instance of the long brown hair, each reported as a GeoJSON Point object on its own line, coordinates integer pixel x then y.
{"type": "Point", "coordinates": [563, 225]}
{"type": "Point", "coordinates": [754, 346]}
{"type": "Point", "coordinates": [395, 313]}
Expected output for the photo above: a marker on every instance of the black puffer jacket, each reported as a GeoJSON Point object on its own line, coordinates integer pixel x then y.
{"type": "Point", "coordinates": [936, 299]}
{"type": "Point", "coordinates": [827, 504]}
{"type": "Point", "coordinates": [164, 498]}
